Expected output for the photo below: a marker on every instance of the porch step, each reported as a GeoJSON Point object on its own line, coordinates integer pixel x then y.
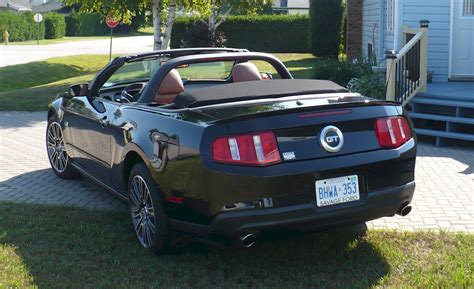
{"type": "Point", "coordinates": [445, 134]}
{"type": "Point", "coordinates": [443, 101]}
{"type": "Point", "coordinates": [443, 118]}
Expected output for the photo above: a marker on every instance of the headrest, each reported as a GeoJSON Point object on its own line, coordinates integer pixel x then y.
{"type": "Point", "coordinates": [245, 71]}
{"type": "Point", "coordinates": [171, 84]}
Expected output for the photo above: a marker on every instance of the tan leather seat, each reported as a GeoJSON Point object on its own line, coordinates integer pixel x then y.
{"type": "Point", "coordinates": [170, 87]}
{"type": "Point", "coordinates": [245, 71]}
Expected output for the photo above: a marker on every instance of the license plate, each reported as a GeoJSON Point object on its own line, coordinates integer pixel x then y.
{"type": "Point", "coordinates": [337, 190]}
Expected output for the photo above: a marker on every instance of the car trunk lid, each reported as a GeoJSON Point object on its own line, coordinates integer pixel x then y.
{"type": "Point", "coordinates": [298, 124]}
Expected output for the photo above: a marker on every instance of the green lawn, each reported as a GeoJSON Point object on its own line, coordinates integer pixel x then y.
{"type": "Point", "coordinates": [60, 247]}
{"type": "Point", "coordinates": [32, 86]}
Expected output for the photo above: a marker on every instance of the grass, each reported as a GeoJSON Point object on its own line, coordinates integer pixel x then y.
{"type": "Point", "coordinates": [31, 86]}
{"type": "Point", "coordinates": [60, 247]}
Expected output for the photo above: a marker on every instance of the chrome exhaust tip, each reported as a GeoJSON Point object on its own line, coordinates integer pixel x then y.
{"type": "Point", "coordinates": [248, 240]}
{"type": "Point", "coordinates": [404, 210]}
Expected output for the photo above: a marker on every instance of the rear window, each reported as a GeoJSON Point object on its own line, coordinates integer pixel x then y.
{"type": "Point", "coordinates": [219, 70]}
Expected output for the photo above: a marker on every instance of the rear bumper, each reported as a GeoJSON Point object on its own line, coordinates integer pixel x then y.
{"type": "Point", "coordinates": [309, 217]}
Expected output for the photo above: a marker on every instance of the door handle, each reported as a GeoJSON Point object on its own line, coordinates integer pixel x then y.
{"type": "Point", "coordinates": [104, 121]}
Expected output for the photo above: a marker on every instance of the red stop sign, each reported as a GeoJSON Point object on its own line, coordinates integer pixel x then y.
{"type": "Point", "coordinates": [111, 22]}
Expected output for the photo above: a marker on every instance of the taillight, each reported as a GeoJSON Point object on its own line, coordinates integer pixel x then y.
{"type": "Point", "coordinates": [256, 149]}
{"type": "Point", "coordinates": [392, 132]}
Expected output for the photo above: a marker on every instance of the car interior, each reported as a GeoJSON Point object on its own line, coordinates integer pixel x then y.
{"type": "Point", "coordinates": [174, 84]}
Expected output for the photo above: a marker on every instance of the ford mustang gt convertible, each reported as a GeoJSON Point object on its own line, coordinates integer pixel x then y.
{"type": "Point", "coordinates": [223, 144]}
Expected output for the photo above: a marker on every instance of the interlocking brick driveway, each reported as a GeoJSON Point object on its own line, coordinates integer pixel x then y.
{"type": "Point", "coordinates": [444, 197]}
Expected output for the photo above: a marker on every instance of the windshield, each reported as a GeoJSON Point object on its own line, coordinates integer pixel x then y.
{"type": "Point", "coordinates": [134, 71]}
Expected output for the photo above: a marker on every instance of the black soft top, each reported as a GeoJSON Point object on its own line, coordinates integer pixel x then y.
{"type": "Point", "coordinates": [255, 90]}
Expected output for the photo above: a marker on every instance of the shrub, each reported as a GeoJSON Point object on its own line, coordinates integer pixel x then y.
{"type": "Point", "coordinates": [325, 27]}
{"type": "Point", "coordinates": [372, 85]}
{"type": "Point", "coordinates": [55, 25]}
{"type": "Point", "coordinates": [270, 33]}
{"type": "Point", "coordinates": [338, 71]}
{"type": "Point", "coordinates": [198, 35]}
{"type": "Point", "coordinates": [82, 24]}
{"type": "Point", "coordinates": [21, 26]}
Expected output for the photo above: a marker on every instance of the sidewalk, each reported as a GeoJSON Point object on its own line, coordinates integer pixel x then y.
{"type": "Point", "coordinates": [18, 54]}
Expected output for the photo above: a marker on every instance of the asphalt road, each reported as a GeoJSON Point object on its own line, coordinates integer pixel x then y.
{"type": "Point", "coordinates": [18, 54]}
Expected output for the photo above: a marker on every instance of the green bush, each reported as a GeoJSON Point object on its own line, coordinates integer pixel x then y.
{"type": "Point", "coordinates": [55, 25]}
{"type": "Point", "coordinates": [82, 24]}
{"type": "Point", "coordinates": [325, 27]}
{"type": "Point", "coordinates": [338, 71]}
{"type": "Point", "coordinates": [341, 72]}
{"type": "Point", "coordinates": [372, 85]}
{"type": "Point", "coordinates": [269, 33]}
{"type": "Point", "coordinates": [20, 26]}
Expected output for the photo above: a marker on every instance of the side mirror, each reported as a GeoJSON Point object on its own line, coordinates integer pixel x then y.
{"type": "Point", "coordinates": [78, 90]}
{"type": "Point", "coordinates": [266, 75]}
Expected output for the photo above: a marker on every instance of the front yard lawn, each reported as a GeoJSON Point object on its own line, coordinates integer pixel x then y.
{"type": "Point", "coordinates": [31, 86]}
{"type": "Point", "coordinates": [60, 247]}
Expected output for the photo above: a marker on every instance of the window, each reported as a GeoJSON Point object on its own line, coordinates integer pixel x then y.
{"type": "Point", "coordinates": [468, 8]}
{"type": "Point", "coordinates": [219, 70]}
{"type": "Point", "coordinates": [390, 15]}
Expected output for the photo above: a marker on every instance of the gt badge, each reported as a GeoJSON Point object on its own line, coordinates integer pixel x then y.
{"type": "Point", "coordinates": [331, 139]}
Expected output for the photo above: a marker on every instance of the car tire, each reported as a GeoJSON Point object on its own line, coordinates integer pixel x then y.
{"type": "Point", "coordinates": [58, 158]}
{"type": "Point", "coordinates": [149, 219]}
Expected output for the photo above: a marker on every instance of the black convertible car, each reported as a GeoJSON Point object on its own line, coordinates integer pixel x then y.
{"type": "Point", "coordinates": [224, 144]}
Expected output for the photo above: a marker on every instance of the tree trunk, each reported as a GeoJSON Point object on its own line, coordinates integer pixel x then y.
{"type": "Point", "coordinates": [157, 42]}
{"type": "Point", "coordinates": [169, 23]}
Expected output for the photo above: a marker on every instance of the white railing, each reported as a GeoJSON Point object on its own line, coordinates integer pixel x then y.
{"type": "Point", "coordinates": [407, 70]}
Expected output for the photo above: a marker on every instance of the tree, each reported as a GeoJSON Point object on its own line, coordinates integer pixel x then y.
{"type": "Point", "coordinates": [325, 27]}
{"type": "Point", "coordinates": [216, 11]}
{"type": "Point", "coordinates": [164, 12]}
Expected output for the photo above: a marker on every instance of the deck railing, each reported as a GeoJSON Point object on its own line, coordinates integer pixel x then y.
{"type": "Point", "coordinates": [407, 70]}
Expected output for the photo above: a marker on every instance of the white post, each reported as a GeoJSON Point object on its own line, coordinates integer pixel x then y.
{"type": "Point", "coordinates": [424, 24]}
{"type": "Point", "coordinates": [391, 56]}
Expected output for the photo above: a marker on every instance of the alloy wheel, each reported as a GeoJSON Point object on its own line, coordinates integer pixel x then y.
{"type": "Point", "coordinates": [142, 211]}
{"type": "Point", "coordinates": [56, 150]}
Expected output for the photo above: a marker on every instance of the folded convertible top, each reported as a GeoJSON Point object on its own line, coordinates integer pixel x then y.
{"type": "Point", "coordinates": [255, 90]}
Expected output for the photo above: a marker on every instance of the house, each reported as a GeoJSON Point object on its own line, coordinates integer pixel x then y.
{"type": "Point", "coordinates": [15, 5]}
{"type": "Point", "coordinates": [441, 46]}
{"type": "Point", "coordinates": [37, 6]}
{"type": "Point", "coordinates": [291, 6]}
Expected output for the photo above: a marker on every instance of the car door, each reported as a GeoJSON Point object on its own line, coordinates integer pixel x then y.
{"type": "Point", "coordinates": [87, 123]}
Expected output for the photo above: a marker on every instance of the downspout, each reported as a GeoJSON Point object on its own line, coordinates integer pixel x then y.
{"type": "Point", "coordinates": [396, 28]}
{"type": "Point", "coordinates": [382, 33]}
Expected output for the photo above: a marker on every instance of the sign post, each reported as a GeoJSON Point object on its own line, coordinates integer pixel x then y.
{"type": "Point", "coordinates": [38, 18]}
{"type": "Point", "coordinates": [111, 23]}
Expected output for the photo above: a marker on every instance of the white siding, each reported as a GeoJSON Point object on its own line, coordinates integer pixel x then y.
{"type": "Point", "coordinates": [438, 13]}
{"type": "Point", "coordinates": [371, 19]}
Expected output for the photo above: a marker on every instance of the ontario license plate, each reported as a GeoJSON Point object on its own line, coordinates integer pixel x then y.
{"type": "Point", "coordinates": [337, 190]}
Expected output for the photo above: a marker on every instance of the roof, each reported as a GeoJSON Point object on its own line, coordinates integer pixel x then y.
{"type": "Point", "coordinates": [18, 5]}
{"type": "Point", "coordinates": [47, 7]}
{"type": "Point", "coordinates": [255, 90]}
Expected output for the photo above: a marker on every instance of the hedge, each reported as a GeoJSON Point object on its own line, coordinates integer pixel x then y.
{"type": "Point", "coordinates": [325, 26]}
{"type": "Point", "coordinates": [269, 33]}
{"type": "Point", "coordinates": [55, 25]}
{"type": "Point", "coordinates": [20, 26]}
{"type": "Point", "coordinates": [90, 24]}
{"type": "Point", "coordinates": [82, 24]}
